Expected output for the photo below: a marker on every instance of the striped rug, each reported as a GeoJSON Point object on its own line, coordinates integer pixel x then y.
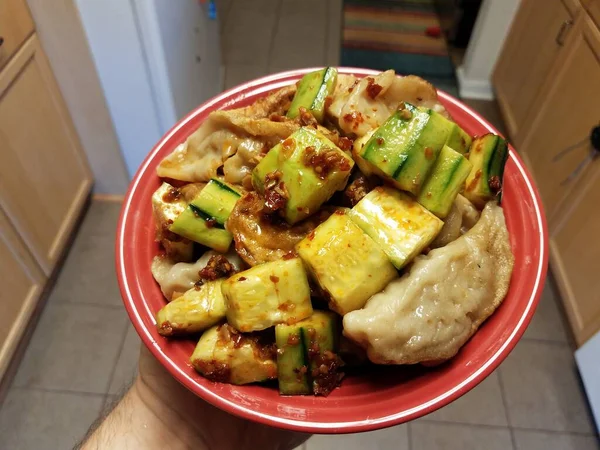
{"type": "Point", "coordinates": [396, 34]}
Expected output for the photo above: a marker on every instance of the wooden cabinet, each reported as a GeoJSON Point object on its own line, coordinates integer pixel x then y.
{"type": "Point", "coordinates": [22, 283]}
{"type": "Point", "coordinates": [16, 26]}
{"type": "Point", "coordinates": [44, 178]}
{"type": "Point", "coordinates": [575, 254]}
{"type": "Point", "coordinates": [531, 48]}
{"type": "Point", "coordinates": [562, 113]}
{"type": "Point", "coordinates": [567, 110]}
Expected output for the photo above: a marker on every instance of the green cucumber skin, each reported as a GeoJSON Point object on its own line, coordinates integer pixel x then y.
{"type": "Point", "coordinates": [289, 359]}
{"type": "Point", "coordinates": [193, 227]}
{"type": "Point", "coordinates": [202, 215]}
{"type": "Point", "coordinates": [492, 163]}
{"type": "Point", "coordinates": [388, 133]}
{"type": "Point", "coordinates": [210, 202]}
{"type": "Point", "coordinates": [441, 188]}
{"type": "Point", "coordinates": [314, 87]}
{"type": "Point", "coordinates": [225, 186]}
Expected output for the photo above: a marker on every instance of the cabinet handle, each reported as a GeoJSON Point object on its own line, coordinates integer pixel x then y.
{"type": "Point", "coordinates": [562, 32]}
{"type": "Point", "coordinates": [594, 141]}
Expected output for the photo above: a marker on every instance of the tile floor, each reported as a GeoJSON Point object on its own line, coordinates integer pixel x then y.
{"type": "Point", "coordinates": [84, 352]}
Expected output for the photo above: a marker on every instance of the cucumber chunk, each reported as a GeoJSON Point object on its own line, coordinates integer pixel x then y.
{"type": "Point", "coordinates": [301, 173]}
{"type": "Point", "coordinates": [267, 294]}
{"type": "Point", "coordinates": [459, 140]}
{"type": "Point", "coordinates": [445, 182]}
{"type": "Point", "coordinates": [307, 360]}
{"type": "Point", "coordinates": [320, 336]}
{"type": "Point", "coordinates": [312, 91]}
{"type": "Point", "coordinates": [405, 147]}
{"type": "Point", "coordinates": [292, 366]}
{"type": "Point", "coordinates": [197, 309]}
{"type": "Point", "coordinates": [346, 263]}
{"type": "Point", "coordinates": [225, 355]}
{"type": "Point", "coordinates": [203, 221]}
{"type": "Point", "coordinates": [488, 155]}
{"type": "Point", "coordinates": [398, 224]}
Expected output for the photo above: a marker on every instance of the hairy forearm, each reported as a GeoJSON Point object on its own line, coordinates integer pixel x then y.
{"type": "Point", "coordinates": [140, 420]}
{"type": "Point", "coordinates": [158, 413]}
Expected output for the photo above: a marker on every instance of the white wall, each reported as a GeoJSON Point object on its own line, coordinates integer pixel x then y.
{"type": "Point", "coordinates": [59, 26]}
{"type": "Point", "coordinates": [118, 54]}
{"type": "Point", "coordinates": [190, 43]}
{"type": "Point", "coordinates": [589, 368]}
{"type": "Point", "coordinates": [157, 60]}
{"type": "Point", "coordinates": [492, 26]}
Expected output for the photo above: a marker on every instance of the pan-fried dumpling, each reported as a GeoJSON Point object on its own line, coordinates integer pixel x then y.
{"type": "Point", "coordinates": [462, 217]}
{"type": "Point", "coordinates": [363, 105]}
{"type": "Point", "coordinates": [429, 313]}
{"type": "Point", "coordinates": [175, 279]}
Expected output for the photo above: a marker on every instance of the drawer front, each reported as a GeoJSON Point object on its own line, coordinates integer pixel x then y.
{"type": "Point", "coordinates": [22, 283]}
{"type": "Point", "coordinates": [593, 8]}
{"type": "Point", "coordinates": [16, 25]}
{"type": "Point", "coordinates": [44, 178]}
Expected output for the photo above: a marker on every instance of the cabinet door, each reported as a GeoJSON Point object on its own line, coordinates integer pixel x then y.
{"type": "Point", "coordinates": [15, 26]}
{"type": "Point", "coordinates": [565, 114]}
{"type": "Point", "coordinates": [575, 250]}
{"type": "Point", "coordinates": [44, 178]}
{"type": "Point", "coordinates": [22, 284]}
{"type": "Point", "coordinates": [528, 53]}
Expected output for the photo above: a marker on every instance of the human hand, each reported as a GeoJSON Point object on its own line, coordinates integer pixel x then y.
{"type": "Point", "coordinates": [196, 421]}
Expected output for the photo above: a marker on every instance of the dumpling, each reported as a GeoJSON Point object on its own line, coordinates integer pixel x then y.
{"type": "Point", "coordinates": [175, 279]}
{"type": "Point", "coordinates": [363, 105]}
{"type": "Point", "coordinates": [429, 313]}
{"type": "Point", "coordinates": [462, 217]}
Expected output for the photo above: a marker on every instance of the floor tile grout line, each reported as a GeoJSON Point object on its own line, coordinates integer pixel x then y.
{"type": "Point", "coordinates": [114, 369]}
{"type": "Point", "coordinates": [57, 391]}
{"type": "Point", "coordinates": [505, 427]}
{"type": "Point", "coordinates": [506, 413]}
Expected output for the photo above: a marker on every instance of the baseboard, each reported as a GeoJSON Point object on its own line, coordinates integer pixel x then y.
{"type": "Point", "coordinates": [471, 88]}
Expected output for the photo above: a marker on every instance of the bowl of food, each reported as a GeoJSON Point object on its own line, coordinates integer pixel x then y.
{"type": "Point", "coordinates": [331, 250]}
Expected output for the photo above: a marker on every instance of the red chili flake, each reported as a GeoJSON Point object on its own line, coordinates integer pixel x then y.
{"type": "Point", "coordinates": [340, 212]}
{"type": "Point", "coordinates": [380, 141]}
{"type": "Point", "coordinates": [328, 101]}
{"type": "Point", "coordinates": [325, 161]}
{"type": "Point", "coordinates": [172, 194]}
{"type": "Point", "coordinates": [198, 284]}
{"type": "Point", "coordinates": [242, 279]}
{"type": "Point", "coordinates": [289, 255]}
{"type": "Point", "coordinates": [276, 195]}
{"type": "Point", "coordinates": [210, 223]}
{"type": "Point", "coordinates": [345, 143]}
{"type": "Point", "coordinates": [311, 235]}
{"type": "Point", "coordinates": [428, 152]}
{"type": "Point", "coordinates": [355, 118]}
{"type": "Point", "coordinates": [217, 267]}
{"type": "Point", "coordinates": [351, 88]}
{"type": "Point", "coordinates": [274, 279]}
{"type": "Point", "coordinates": [293, 339]}
{"type": "Point", "coordinates": [306, 118]}
{"type": "Point", "coordinates": [373, 89]}
{"type": "Point", "coordinates": [495, 184]}
{"type": "Point", "coordinates": [289, 144]}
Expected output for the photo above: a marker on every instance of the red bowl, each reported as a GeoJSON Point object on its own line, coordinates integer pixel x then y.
{"type": "Point", "coordinates": [384, 396]}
